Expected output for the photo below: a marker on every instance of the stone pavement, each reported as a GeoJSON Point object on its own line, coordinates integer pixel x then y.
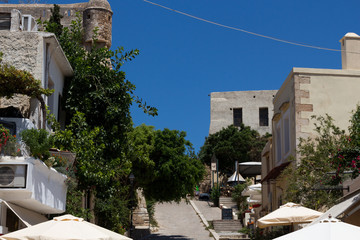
{"type": "Point", "coordinates": [208, 213]}
{"type": "Point", "coordinates": [178, 222]}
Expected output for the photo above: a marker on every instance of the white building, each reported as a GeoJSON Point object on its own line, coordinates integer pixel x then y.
{"type": "Point", "coordinates": [40, 54]}
{"type": "Point", "coordinates": [28, 188]}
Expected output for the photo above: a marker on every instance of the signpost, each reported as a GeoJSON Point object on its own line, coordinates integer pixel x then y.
{"type": "Point", "coordinates": [226, 214]}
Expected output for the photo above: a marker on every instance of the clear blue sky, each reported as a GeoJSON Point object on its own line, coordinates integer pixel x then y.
{"type": "Point", "coordinates": [183, 60]}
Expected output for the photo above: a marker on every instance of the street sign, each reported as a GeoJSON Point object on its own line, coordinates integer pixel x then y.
{"type": "Point", "coordinates": [213, 166]}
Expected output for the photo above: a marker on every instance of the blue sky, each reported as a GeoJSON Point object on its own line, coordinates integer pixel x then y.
{"type": "Point", "coordinates": [183, 60]}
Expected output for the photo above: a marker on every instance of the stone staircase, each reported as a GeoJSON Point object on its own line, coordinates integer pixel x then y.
{"type": "Point", "coordinates": [227, 225]}
{"type": "Point", "coordinates": [140, 214]}
{"type": "Point", "coordinates": [228, 202]}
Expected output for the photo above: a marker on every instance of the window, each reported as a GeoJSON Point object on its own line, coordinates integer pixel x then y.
{"type": "Point", "coordinates": [5, 21]}
{"type": "Point", "coordinates": [237, 115]}
{"type": "Point", "coordinates": [286, 133]}
{"type": "Point", "coordinates": [278, 142]}
{"type": "Point", "coordinates": [29, 23]}
{"type": "Point", "coordinates": [9, 125]}
{"type": "Point", "coordinates": [263, 117]}
{"type": "Point", "coordinates": [51, 100]}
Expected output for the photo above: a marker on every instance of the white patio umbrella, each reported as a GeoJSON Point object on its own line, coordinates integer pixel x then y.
{"type": "Point", "coordinates": [329, 229]}
{"type": "Point", "coordinates": [236, 178]}
{"type": "Point", "coordinates": [288, 214]}
{"type": "Point", "coordinates": [64, 228]}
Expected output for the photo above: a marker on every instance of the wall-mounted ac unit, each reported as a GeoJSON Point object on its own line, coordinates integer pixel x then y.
{"type": "Point", "coordinates": [13, 176]}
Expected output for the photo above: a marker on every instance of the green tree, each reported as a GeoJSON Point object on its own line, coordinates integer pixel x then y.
{"type": "Point", "coordinates": [164, 163]}
{"type": "Point", "coordinates": [233, 144]}
{"type": "Point", "coordinates": [54, 23]}
{"type": "Point", "coordinates": [347, 159]}
{"type": "Point", "coordinates": [310, 182]}
{"type": "Point", "coordinates": [97, 100]}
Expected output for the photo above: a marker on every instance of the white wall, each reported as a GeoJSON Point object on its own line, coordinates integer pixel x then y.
{"type": "Point", "coordinates": [45, 190]}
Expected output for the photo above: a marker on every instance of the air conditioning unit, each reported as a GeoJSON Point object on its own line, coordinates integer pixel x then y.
{"type": "Point", "coordinates": [13, 176]}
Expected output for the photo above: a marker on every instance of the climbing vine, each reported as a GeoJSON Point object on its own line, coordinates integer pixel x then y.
{"type": "Point", "coordinates": [14, 81]}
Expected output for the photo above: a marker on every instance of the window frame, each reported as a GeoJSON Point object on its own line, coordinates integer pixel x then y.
{"type": "Point", "coordinates": [235, 119]}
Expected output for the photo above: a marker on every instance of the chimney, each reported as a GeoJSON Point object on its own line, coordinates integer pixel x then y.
{"type": "Point", "coordinates": [350, 51]}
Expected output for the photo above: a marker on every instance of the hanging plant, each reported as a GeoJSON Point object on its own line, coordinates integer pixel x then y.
{"type": "Point", "coordinates": [14, 81]}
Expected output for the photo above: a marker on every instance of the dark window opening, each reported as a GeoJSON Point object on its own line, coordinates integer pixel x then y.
{"type": "Point", "coordinates": [9, 125]}
{"type": "Point", "coordinates": [238, 119]}
{"type": "Point", "coordinates": [5, 21]}
{"type": "Point", "coordinates": [88, 16]}
{"type": "Point", "coordinates": [263, 117]}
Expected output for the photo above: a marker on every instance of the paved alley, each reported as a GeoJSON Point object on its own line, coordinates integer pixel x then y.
{"type": "Point", "coordinates": [178, 222]}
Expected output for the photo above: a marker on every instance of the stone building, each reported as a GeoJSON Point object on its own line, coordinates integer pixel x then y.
{"type": "Point", "coordinates": [28, 188]}
{"type": "Point", "coordinates": [95, 14]}
{"type": "Point", "coordinates": [304, 93]}
{"type": "Point", "coordinates": [40, 54]}
{"type": "Point", "coordinates": [252, 108]}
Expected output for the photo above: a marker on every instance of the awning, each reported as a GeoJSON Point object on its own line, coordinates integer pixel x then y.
{"type": "Point", "coordinates": [339, 209]}
{"type": "Point", "coordinates": [250, 169]}
{"type": "Point", "coordinates": [275, 172]}
{"type": "Point", "coordinates": [28, 217]}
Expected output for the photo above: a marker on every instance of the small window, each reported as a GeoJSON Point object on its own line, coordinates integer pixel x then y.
{"type": "Point", "coordinates": [238, 119]}
{"type": "Point", "coordinates": [278, 142]}
{"type": "Point", "coordinates": [69, 13]}
{"type": "Point", "coordinates": [88, 16]}
{"type": "Point", "coordinates": [263, 117]}
{"type": "Point", "coordinates": [26, 23]}
{"type": "Point", "coordinates": [51, 100]}
{"type": "Point", "coordinates": [5, 21]}
{"type": "Point", "coordinates": [286, 135]}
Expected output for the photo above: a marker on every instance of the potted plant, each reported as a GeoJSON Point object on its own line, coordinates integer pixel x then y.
{"type": "Point", "coordinates": [4, 136]}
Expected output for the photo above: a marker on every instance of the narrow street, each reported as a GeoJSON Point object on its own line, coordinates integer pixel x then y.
{"type": "Point", "coordinates": [178, 222]}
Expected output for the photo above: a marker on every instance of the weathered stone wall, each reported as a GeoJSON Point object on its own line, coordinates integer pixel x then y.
{"type": "Point", "coordinates": [43, 11]}
{"type": "Point", "coordinates": [94, 14]}
{"type": "Point", "coordinates": [23, 51]}
{"type": "Point", "coordinates": [101, 19]}
{"type": "Point", "coordinates": [223, 103]}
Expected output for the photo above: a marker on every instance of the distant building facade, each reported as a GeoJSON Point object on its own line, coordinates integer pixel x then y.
{"type": "Point", "coordinates": [95, 14]}
{"type": "Point", "coordinates": [251, 108]}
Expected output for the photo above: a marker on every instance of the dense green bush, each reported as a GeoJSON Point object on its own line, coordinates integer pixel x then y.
{"type": "Point", "coordinates": [215, 195]}
{"type": "Point", "coordinates": [38, 141]}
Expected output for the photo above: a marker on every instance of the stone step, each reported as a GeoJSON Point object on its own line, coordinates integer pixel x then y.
{"type": "Point", "coordinates": [227, 225]}
{"type": "Point", "coordinates": [228, 202]}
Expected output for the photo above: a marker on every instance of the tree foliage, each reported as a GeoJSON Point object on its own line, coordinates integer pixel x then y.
{"type": "Point", "coordinates": [164, 163]}
{"type": "Point", "coordinates": [231, 144]}
{"type": "Point", "coordinates": [54, 23]}
{"type": "Point", "coordinates": [310, 182]}
{"type": "Point", "coordinates": [346, 161]}
{"type": "Point", "coordinates": [97, 100]}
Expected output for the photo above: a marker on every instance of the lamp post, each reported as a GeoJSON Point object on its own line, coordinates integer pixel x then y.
{"type": "Point", "coordinates": [132, 178]}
